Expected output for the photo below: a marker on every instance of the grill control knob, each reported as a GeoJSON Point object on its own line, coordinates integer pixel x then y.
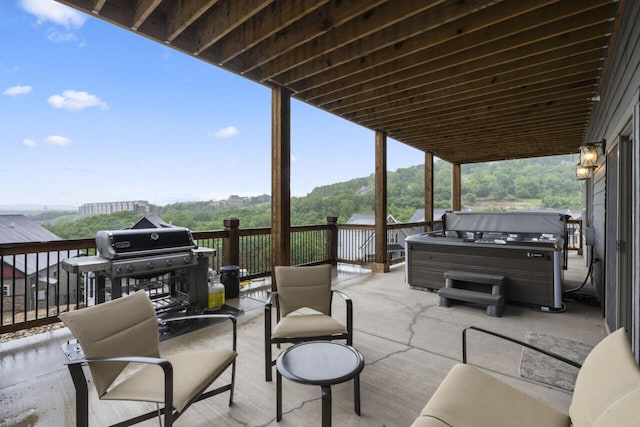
{"type": "Point", "coordinates": [169, 262]}
{"type": "Point", "coordinates": [187, 259]}
{"type": "Point", "coordinates": [150, 265]}
{"type": "Point", "coordinates": [129, 268]}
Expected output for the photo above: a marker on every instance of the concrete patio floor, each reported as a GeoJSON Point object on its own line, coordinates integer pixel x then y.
{"type": "Point", "coordinates": [408, 341]}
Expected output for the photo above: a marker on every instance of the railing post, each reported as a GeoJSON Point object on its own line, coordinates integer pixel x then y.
{"type": "Point", "coordinates": [332, 239]}
{"type": "Point", "coordinates": [231, 244]}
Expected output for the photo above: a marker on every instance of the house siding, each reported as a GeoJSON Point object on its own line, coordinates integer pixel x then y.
{"type": "Point", "coordinates": [612, 115]}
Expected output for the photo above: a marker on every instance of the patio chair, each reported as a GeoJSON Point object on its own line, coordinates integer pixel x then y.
{"type": "Point", "coordinates": [124, 332]}
{"type": "Point", "coordinates": [303, 310]}
{"type": "Point", "coordinates": [606, 392]}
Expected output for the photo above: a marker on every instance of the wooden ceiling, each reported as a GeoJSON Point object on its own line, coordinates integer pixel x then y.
{"type": "Point", "coordinates": [469, 81]}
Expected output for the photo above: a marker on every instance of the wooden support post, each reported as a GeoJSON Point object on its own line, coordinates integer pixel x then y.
{"type": "Point", "coordinates": [280, 178]}
{"type": "Point", "coordinates": [381, 264]}
{"type": "Point", "coordinates": [456, 192]}
{"type": "Point", "coordinates": [428, 190]}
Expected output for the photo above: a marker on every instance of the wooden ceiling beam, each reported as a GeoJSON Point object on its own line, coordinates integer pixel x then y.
{"type": "Point", "coordinates": [311, 26]}
{"type": "Point", "coordinates": [513, 120]}
{"type": "Point", "coordinates": [511, 134]}
{"type": "Point", "coordinates": [497, 47]}
{"type": "Point", "coordinates": [465, 106]}
{"type": "Point", "coordinates": [222, 18]}
{"type": "Point", "coordinates": [566, 136]}
{"type": "Point", "coordinates": [141, 11]}
{"type": "Point", "coordinates": [411, 84]}
{"type": "Point", "coordinates": [375, 51]}
{"type": "Point", "coordinates": [526, 115]}
{"type": "Point", "coordinates": [97, 5]}
{"type": "Point", "coordinates": [385, 25]}
{"type": "Point", "coordinates": [552, 127]}
{"type": "Point", "coordinates": [525, 137]}
{"type": "Point", "coordinates": [470, 81]}
{"type": "Point", "coordinates": [480, 84]}
{"type": "Point", "coordinates": [114, 11]}
{"type": "Point", "coordinates": [484, 149]}
{"type": "Point", "coordinates": [555, 127]}
{"type": "Point", "coordinates": [184, 13]}
{"type": "Point", "coordinates": [507, 104]}
{"type": "Point", "coordinates": [268, 23]}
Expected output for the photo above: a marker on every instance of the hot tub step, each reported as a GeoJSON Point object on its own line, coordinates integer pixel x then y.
{"type": "Point", "coordinates": [493, 298]}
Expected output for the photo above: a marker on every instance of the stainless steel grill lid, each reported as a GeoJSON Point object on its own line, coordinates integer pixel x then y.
{"type": "Point", "coordinates": [114, 244]}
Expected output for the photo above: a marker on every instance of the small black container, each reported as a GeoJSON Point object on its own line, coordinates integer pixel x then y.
{"type": "Point", "coordinates": [229, 277]}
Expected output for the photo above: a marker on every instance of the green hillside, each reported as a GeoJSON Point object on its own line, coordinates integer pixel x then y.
{"type": "Point", "coordinates": [543, 183]}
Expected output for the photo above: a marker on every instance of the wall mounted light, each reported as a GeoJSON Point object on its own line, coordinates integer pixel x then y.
{"type": "Point", "coordinates": [589, 158]}
{"type": "Point", "coordinates": [582, 173]}
{"type": "Point", "coordinates": [589, 154]}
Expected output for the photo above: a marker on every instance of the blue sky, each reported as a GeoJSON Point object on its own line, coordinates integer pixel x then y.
{"type": "Point", "coordinates": [90, 112]}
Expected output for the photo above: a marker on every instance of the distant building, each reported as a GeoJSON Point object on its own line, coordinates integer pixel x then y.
{"type": "Point", "coordinates": [32, 279]}
{"type": "Point", "coordinates": [140, 207]}
{"type": "Point", "coordinates": [234, 201]}
{"type": "Point", "coordinates": [359, 244]}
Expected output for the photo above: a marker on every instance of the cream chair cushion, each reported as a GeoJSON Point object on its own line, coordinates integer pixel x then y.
{"type": "Point", "coordinates": [192, 373]}
{"type": "Point", "coordinates": [606, 394]}
{"type": "Point", "coordinates": [304, 295]}
{"type": "Point", "coordinates": [128, 326]}
{"type": "Point", "coordinates": [468, 397]}
{"type": "Point", "coordinates": [304, 287]}
{"type": "Point", "coordinates": [306, 322]}
{"type": "Point", "coordinates": [607, 390]}
{"type": "Point", "coordinates": [122, 327]}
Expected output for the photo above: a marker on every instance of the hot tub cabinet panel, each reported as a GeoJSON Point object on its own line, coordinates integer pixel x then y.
{"type": "Point", "coordinates": [533, 269]}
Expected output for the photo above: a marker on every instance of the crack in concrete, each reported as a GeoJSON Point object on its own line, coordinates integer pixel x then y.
{"type": "Point", "coordinates": [295, 408]}
{"type": "Point", "coordinates": [407, 343]}
{"type": "Point", "coordinates": [415, 320]}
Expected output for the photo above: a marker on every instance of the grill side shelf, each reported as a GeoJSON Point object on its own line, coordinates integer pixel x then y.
{"type": "Point", "coordinates": [85, 264]}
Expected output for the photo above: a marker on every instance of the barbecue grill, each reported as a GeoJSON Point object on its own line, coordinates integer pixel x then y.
{"type": "Point", "coordinates": [145, 255]}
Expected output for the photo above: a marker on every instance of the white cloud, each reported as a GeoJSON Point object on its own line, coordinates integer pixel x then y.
{"type": "Point", "coordinates": [75, 100]}
{"type": "Point", "coordinates": [58, 37]}
{"type": "Point", "coordinates": [29, 143]}
{"type": "Point", "coordinates": [49, 10]}
{"type": "Point", "coordinates": [57, 140]}
{"type": "Point", "coordinates": [17, 90]}
{"type": "Point", "coordinates": [226, 132]}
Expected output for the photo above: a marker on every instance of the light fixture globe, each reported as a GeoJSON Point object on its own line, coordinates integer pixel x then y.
{"type": "Point", "coordinates": [589, 156]}
{"type": "Point", "coordinates": [582, 173]}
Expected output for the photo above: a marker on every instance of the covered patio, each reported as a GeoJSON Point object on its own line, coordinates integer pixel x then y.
{"type": "Point", "coordinates": [408, 341]}
{"type": "Point", "coordinates": [464, 82]}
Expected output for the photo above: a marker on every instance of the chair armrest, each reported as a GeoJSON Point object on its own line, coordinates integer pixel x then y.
{"type": "Point", "coordinates": [342, 295]}
{"type": "Point", "coordinates": [516, 341]}
{"type": "Point", "coordinates": [272, 298]}
{"type": "Point", "coordinates": [80, 383]}
{"type": "Point", "coordinates": [349, 304]}
{"type": "Point", "coordinates": [273, 295]}
{"type": "Point", "coordinates": [268, 319]}
{"type": "Point", "coordinates": [230, 317]}
{"type": "Point", "coordinates": [345, 297]}
{"type": "Point", "coordinates": [129, 359]}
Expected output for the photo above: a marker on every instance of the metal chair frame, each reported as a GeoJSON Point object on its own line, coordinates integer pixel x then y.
{"type": "Point", "coordinates": [82, 395]}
